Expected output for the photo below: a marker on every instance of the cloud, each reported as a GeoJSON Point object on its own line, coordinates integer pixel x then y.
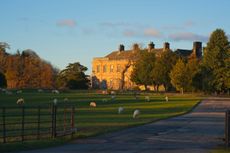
{"type": "Point", "coordinates": [152, 32]}
{"type": "Point", "coordinates": [130, 33]}
{"type": "Point", "coordinates": [67, 23]}
{"type": "Point", "coordinates": [187, 36]}
{"type": "Point", "coordinates": [115, 24]}
{"type": "Point", "coordinates": [189, 23]}
{"type": "Point", "coordinates": [148, 32]}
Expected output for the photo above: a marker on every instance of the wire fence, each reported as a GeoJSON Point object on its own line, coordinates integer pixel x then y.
{"type": "Point", "coordinates": [24, 123]}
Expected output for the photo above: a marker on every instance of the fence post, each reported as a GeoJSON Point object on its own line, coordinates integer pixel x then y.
{"type": "Point", "coordinates": [227, 128]}
{"type": "Point", "coordinates": [64, 118]}
{"type": "Point", "coordinates": [72, 122]}
{"type": "Point", "coordinates": [38, 130]}
{"type": "Point", "coordinates": [4, 124]}
{"type": "Point", "coordinates": [52, 117]}
{"type": "Point", "coordinates": [23, 122]}
{"type": "Point", "coordinates": [54, 120]}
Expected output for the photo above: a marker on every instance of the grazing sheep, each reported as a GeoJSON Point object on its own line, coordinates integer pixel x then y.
{"type": "Point", "coordinates": [147, 98]}
{"type": "Point", "coordinates": [19, 91]}
{"type": "Point", "coordinates": [55, 101]}
{"type": "Point", "coordinates": [104, 92]}
{"type": "Point", "coordinates": [93, 104]}
{"type": "Point", "coordinates": [113, 97]}
{"type": "Point", "coordinates": [120, 110]}
{"type": "Point", "coordinates": [3, 90]}
{"type": "Point", "coordinates": [20, 101]}
{"type": "Point", "coordinates": [136, 113]}
{"type": "Point", "coordinates": [40, 90]}
{"type": "Point", "coordinates": [8, 92]}
{"type": "Point", "coordinates": [166, 98]}
{"type": "Point", "coordinates": [113, 92]}
{"type": "Point", "coordinates": [104, 100]}
{"type": "Point", "coordinates": [66, 99]}
{"type": "Point", "coordinates": [55, 91]}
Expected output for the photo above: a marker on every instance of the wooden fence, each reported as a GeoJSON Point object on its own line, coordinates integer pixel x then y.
{"type": "Point", "coordinates": [29, 123]}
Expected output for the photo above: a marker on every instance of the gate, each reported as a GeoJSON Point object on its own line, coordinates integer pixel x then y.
{"type": "Point", "coordinates": [24, 123]}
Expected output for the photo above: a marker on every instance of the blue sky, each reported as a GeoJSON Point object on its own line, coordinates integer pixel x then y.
{"type": "Point", "coordinates": [65, 31]}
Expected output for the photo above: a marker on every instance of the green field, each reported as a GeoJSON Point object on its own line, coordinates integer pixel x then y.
{"type": "Point", "coordinates": [104, 118]}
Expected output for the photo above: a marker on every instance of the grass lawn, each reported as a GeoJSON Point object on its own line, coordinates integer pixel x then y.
{"type": "Point", "coordinates": [104, 118]}
{"type": "Point", "coordinates": [221, 150]}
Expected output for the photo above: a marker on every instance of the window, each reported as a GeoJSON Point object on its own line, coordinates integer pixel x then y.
{"type": "Point", "coordinates": [111, 68]}
{"type": "Point", "coordinates": [118, 68]}
{"type": "Point", "coordinates": [104, 68]}
{"type": "Point", "coordinates": [98, 68]}
{"type": "Point", "coordinates": [111, 83]}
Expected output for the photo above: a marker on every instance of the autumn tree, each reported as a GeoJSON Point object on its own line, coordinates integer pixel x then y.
{"type": "Point", "coordinates": [3, 82]}
{"type": "Point", "coordinates": [73, 77]}
{"type": "Point", "coordinates": [26, 69]}
{"type": "Point", "coordinates": [192, 70]}
{"type": "Point", "coordinates": [178, 75]}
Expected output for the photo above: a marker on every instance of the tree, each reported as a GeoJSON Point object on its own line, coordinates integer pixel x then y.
{"type": "Point", "coordinates": [26, 70]}
{"type": "Point", "coordinates": [73, 77]}
{"type": "Point", "coordinates": [216, 59]}
{"type": "Point", "coordinates": [178, 75]}
{"type": "Point", "coordinates": [192, 69]}
{"type": "Point", "coordinates": [163, 67]}
{"type": "Point", "coordinates": [143, 67]}
{"type": "Point", "coordinates": [3, 82]}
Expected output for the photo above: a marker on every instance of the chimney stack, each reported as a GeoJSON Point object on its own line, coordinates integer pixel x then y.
{"type": "Point", "coordinates": [151, 46]}
{"type": "Point", "coordinates": [197, 49]}
{"type": "Point", "coordinates": [121, 47]}
{"type": "Point", "coordinates": [166, 46]}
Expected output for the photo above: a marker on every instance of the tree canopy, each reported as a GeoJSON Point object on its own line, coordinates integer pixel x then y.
{"type": "Point", "coordinates": [143, 67]}
{"type": "Point", "coordinates": [73, 77]}
{"type": "Point", "coordinates": [3, 82]}
{"type": "Point", "coordinates": [163, 67]}
{"type": "Point", "coordinates": [26, 69]}
{"type": "Point", "coordinates": [216, 61]}
{"type": "Point", "coordinates": [178, 75]}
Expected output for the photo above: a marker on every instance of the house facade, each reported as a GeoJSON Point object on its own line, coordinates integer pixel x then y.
{"type": "Point", "coordinates": [114, 70]}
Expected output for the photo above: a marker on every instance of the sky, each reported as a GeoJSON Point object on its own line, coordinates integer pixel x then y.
{"type": "Point", "coordinates": [67, 31]}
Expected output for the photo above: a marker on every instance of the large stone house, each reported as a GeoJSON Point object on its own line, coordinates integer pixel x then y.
{"type": "Point", "coordinates": [114, 70]}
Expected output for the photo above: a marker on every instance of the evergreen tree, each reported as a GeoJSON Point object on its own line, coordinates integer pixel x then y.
{"type": "Point", "coordinates": [73, 77]}
{"type": "Point", "coordinates": [216, 59]}
{"type": "Point", "coordinates": [143, 67]}
{"type": "Point", "coordinates": [163, 67]}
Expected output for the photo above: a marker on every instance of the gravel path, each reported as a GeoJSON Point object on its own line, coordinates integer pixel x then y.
{"type": "Point", "coordinates": [196, 132]}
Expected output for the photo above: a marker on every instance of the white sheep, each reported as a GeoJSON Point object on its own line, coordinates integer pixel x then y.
{"type": "Point", "coordinates": [20, 101]}
{"type": "Point", "coordinates": [55, 91]}
{"type": "Point", "coordinates": [113, 97]}
{"type": "Point", "coordinates": [40, 90]}
{"type": "Point", "coordinates": [55, 101]}
{"type": "Point", "coordinates": [136, 113]}
{"type": "Point", "coordinates": [147, 98]}
{"type": "Point", "coordinates": [3, 90]}
{"type": "Point", "coordinates": [8, 92]}
{"type": "Point", "coordinates": [113, 92]}
{"type": "Point", "coordinates": [104, 100]}
{"type": "Point", "coordinates": [166, 98]}
{"type": "Point", "coordinates": [120, 110]}
{"type": "Point", "coordinates": [66, 99]}
{"type": "Point", "coordinates": [93, 104]}
{"type": "Point", "coordinates": [19, 91]}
